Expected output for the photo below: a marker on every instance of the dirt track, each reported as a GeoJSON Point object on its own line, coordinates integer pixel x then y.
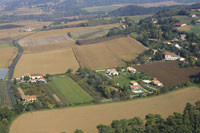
{"type": "Point", "coordinates": [88, 117]}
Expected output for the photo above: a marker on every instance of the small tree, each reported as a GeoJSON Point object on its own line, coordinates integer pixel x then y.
{"type": "Point", "coordinates": [26, 78]}
{"type": "Point", "coordinates": [69, 71]}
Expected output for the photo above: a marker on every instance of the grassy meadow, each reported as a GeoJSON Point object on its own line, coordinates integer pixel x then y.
{"type": "Point", "coordinates": [69, 91]}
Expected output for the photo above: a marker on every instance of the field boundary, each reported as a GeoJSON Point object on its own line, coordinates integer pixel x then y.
{"type": "Point", "coordinates": [98, 40]}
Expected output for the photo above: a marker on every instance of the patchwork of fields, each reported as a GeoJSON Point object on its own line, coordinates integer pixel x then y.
{"type": "Point", "coordinates": [88, 117]}
{"type": "Point", "coordinates": [54, 52]}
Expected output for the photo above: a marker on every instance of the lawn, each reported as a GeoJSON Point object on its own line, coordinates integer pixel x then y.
{"type": "Point", "coordinates": [5, 45]}
{"type": "Point", "coordinates": [137, 18]}
{"type": "Point", "coordinates": [195, 29]}
{"type": "Point", "coordinates": [122, 80]}
{"type": "Point", "coordinates": [102, 9]}
{"type": "Point", "coordinates": [69, 91]}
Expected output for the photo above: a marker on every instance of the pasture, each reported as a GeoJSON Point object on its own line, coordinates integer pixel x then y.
{"type": "Point", "coordinates": [184, 19]}
{"type": "Point", "coordinates": [53, 62]}
{"type": "Point", "coordinates": [7, 55]}
{"type": "Point", "coordinates": [69, 91]}
{"type": "Point", "coordinates": [108, 54]}
{"type": "Point", "coordinates": [168, 72]}
{"type": "Point", "coordinates": [88, 117]}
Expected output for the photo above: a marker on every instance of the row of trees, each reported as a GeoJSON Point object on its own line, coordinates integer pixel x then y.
{"type": "Point", "coordinates": [188, 122]}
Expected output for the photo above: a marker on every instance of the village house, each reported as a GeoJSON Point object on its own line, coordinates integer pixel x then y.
{"type": "Point", "coordinates": [154, 20]}
{"type": "Point", "coordinates": [134, 85]}
{"type": "Point", "coordinates": [193, 15]}
{"type": "Point", "coordinates": [157, 82]}
{"type": "Point", "coordinates": [131, 70]}
{"type": "Point", "coordinates": [124, 26]}
{"type": "Point", "coordinates": [170, 56]}
{"type": "Point", "coordinates": [181, 59]}
{"type": "Point", "coordinates": [112, 72]}
{"type": "Point", "coordinates": [197, 21]}
{"type": "Point", "coordinates": [177, 46]}
{"type": "Point", "coordinates": [179, 25]}
{"type": "Point", "coordinates": [182, 37]}
{"type": "Point", "coordinates": [36, 76]}
{"type": "Point", "coordinates": [152, 39]}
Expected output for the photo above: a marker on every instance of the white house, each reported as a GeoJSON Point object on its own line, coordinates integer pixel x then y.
{"type": "Point", "coordinates": [112, 72]}
{"type": "Point", "coordinates": [157, 83]}
{"type": "Point", "coordinates": [170, 56]}
{"type": "Point", "coordinates": [193, 15]}
{"type": "Point", "coordinates": [177, 46]}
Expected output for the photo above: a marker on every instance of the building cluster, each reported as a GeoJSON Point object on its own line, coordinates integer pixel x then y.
{"type": "Point", "coordinates": [33, 78]}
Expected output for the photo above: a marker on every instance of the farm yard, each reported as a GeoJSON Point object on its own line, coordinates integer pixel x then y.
{"type": "Point", "coordinates": [88, 117]}
{"type": "Point", "coordinates": [108, 54]}
{"type": "Point", "coordinates": [69, 91]}
{"type": "Point", "coordinates": [169, 72]}
{"type": "Point", "coordinates": [53, 62]}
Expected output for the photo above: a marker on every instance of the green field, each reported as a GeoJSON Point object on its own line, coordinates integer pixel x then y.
{"type": "Point", "coordinates": [102, 9]}
{"type": "Point", "coordinates": [137, 18]}
{"type": "Point", "coordinates": [184, 19]}
{"type": "Point", "coordinates": [69, 91]}
{"type": "Point", "coordinates": [5, 45]}
{"type": "Point", "coordinates": [195, 29]}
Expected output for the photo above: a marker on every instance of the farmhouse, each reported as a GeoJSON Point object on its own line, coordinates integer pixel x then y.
{"type": "Point", "coordinates": [26, 98]}
{"type": "Point", "coordinates": [179, 25]}
{"type": "Point", "coordinates": [131, 69]}
{"type": "Point", "coordinates": [156, 82]}
{"type": "Point", "coordinates": [36, 76]}
{"type": "Point", "coordinates": [193, 15]}
{"type": "Point", "coordinates": [170, 56]}
{"type": "Point", "coordinates": [112, 72]}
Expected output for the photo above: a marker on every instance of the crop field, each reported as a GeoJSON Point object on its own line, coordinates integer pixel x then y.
{"type": "Point", "coordinates": [76, 22]}
{"type": "Point", "coordinates": [69, 91]}
{"type": "Point", "coordinates": [7, 55]}
{"type": "Point", "coordinates": [168, 73]}
{"type": "Point", "coordinates": [57, 61]}
{"type": "Point", "coordinates": [185, 28]}
{"type": "Point", "coordinates": [88, 117]}
{"type": "Point", "coordinates": [109, 53]}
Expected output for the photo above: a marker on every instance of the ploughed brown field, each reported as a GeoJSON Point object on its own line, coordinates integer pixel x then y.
{"type": "Point", "coordinates": [109, 53]}
{"type": "Point", "coordinates": [6, 56]}
{"type": "Point", "coordinates": [88, 117]}
{"type": "Point", "coordinates": [169, 72]}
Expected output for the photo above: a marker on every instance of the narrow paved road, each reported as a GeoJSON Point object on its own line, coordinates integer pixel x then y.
{"type": "Point", "coordinates": [12, 68]}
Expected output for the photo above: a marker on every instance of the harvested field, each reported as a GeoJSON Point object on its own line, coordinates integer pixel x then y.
{"type": "Point", "coordinates": [108, 54]}
{"type": "Point", "coordinates": [169, 72]}
{"type": "Point", "coordinates": [7, 55]}
{"type": "Point", "coordinates": [185, 28]}
{"type": "Point", "coordinates": [88, 117]}
{"type": "Point", "coordinates": [57, 61]}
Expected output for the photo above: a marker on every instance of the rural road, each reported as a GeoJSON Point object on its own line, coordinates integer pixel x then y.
{"type": "Point", "coordinates": [12, 68]}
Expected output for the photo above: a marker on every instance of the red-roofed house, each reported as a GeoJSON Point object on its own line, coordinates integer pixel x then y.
{"type": "Point", "coordinates": [179, 25]}
{"type": "Point", "coordinates": [170, 56]}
